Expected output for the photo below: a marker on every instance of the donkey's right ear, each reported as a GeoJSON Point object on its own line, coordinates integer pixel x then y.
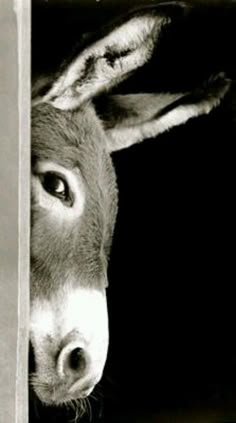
{"type": "Point", "coordinates": [110, 57]}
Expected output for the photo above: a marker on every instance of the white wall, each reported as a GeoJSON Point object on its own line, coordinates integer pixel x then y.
{"type": "Point", "coordinates": [14, 212]}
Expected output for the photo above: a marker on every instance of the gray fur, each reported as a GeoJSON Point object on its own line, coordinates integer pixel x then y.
{"type": "Point", "coordinates": [81, 250]}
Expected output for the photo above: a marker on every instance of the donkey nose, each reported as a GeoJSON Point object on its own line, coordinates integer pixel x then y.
{"type": "Point", "coordinates": [72, 363]}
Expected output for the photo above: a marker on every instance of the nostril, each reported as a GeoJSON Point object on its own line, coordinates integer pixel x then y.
{"type": "Point", "coordinates": [76, 359]}
{"type": "Point", "coordinates": [72, 362]}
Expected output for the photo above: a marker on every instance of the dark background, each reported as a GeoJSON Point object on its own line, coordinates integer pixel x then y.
{"type": "Point", "coordinates": [172, 268]}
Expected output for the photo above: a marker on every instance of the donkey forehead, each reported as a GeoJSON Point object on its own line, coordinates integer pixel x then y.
{"type": "Point", "coordinates": [66, 137]}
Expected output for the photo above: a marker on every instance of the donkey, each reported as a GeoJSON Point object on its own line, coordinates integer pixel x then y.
{"type": "Point", "coordinates": [74, 191]}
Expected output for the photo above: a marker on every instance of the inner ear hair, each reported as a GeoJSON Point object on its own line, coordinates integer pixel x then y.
{"type": "Point", "coordinates": [104, 60]}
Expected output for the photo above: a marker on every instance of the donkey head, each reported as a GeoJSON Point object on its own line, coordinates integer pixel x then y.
{"type": "Point", "coordinates": [74, 194]}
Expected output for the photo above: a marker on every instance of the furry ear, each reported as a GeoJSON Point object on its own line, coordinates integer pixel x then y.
{"type": "Point", "coordinates": [110, 58]}
{"type": "Point", "coordinates": [130, 119]}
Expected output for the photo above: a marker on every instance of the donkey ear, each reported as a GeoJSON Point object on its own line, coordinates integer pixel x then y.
{"type": "Point", "coordinates": [110, 58]}
{"type": "Point", "coordinates": [132, 118]}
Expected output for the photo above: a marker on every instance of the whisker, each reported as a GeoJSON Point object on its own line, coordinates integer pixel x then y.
{"type": "Point", "coordinates": [78, 407]}
{"type": "Point", "coordinates": [91, 410]}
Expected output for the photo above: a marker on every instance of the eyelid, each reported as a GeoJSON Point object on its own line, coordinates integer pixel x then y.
{"type": "Point", "coordinates": [41, 173]}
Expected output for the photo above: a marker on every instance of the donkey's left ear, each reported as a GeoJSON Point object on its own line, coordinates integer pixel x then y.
{"type": "Point", "coordinates": [109, 57]}
{"type": "Point", "coordinates": [131, 118]}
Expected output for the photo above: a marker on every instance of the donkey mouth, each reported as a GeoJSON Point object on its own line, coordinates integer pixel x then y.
{"type": "Point", "coordinates": [55, 395]}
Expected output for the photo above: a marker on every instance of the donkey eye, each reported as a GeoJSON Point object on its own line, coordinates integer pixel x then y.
{"type": "Point", "coordinates": [56, 186]}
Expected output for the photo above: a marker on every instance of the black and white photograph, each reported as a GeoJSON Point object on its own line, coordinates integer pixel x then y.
{"type": "Point", "coordinates": [117, 213]}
